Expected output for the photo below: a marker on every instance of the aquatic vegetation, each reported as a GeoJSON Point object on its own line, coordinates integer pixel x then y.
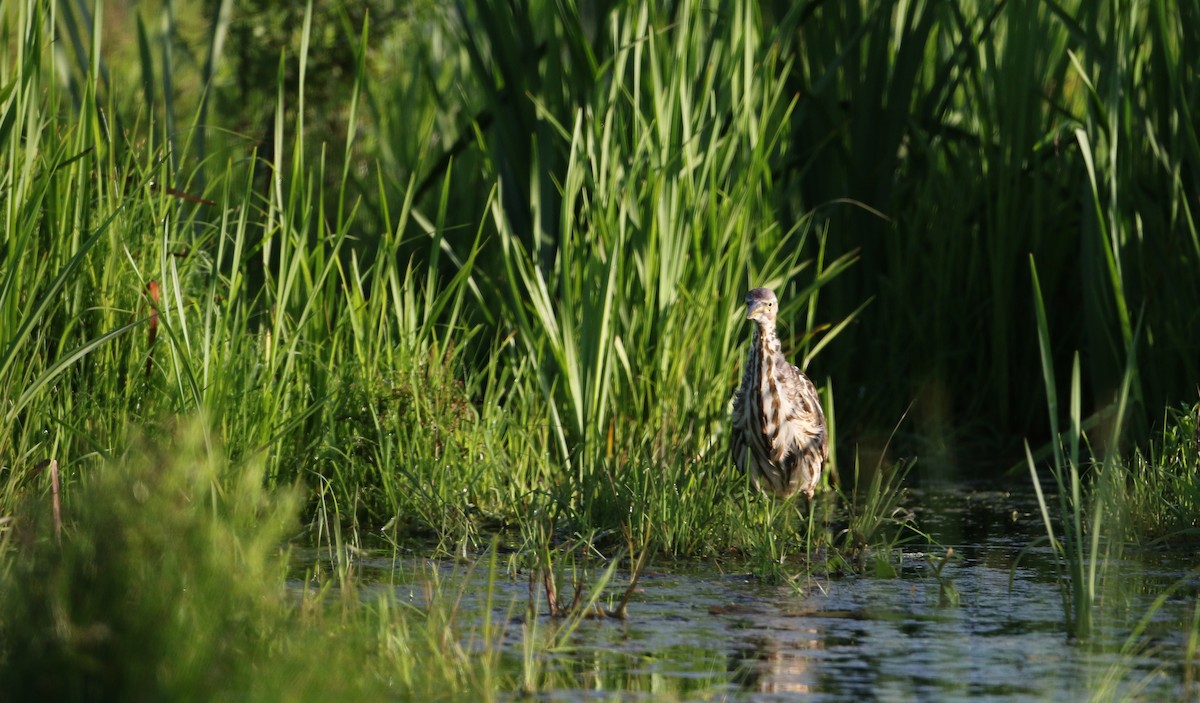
{"type": "Point", "coordinates": [1077, 551]}
{"type": "Point", "coordinates": [948, 595]}
{"type": "Point", "coordinates": [878, 521]}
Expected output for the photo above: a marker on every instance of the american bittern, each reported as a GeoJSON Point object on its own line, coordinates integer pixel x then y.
{"type": "Point", "coordinates": [779, 433]}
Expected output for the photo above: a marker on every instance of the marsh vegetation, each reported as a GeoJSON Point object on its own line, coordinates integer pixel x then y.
{"type": "Point", "coordinates": [379, 350]}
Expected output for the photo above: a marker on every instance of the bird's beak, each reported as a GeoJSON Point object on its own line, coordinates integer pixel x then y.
{"type": "Point", "coordinates": [751, 306]}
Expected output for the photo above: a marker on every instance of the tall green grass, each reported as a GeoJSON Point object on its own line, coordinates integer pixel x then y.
{"type": "Point", "coordinates": [1077, 551]}
{"type": "Point", "coordinates": [937, 143]}
{"type": "Point", "coordinates": [1106, 501]}
{"type": "Point", "coordinates": [265, 321]}
{"type": "Point", "coordinates": [444, 374]}
{"type": "Point", "coordinates": [1092, 511]}
{"type": "Point", "coordinates": [983, 131]}
{"type": "Point", "coordinates": [664, 223]}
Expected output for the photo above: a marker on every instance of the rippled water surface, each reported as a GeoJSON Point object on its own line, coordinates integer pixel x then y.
{"type": "Point", "coordinates": [700, 634]}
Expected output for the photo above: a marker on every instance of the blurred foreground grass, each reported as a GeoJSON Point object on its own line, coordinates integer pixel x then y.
{"type": "Point", "coordinates": [169, 584]}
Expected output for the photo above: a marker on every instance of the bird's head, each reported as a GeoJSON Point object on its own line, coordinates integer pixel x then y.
{"type": "Point", "coordinates": [761, 306]}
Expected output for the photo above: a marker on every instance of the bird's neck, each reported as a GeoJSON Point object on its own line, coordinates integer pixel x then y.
{"type": "Point", "coordinates": [765, 339]}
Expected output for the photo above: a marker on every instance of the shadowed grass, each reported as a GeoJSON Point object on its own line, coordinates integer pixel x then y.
{"type": "Point", "coordinates": [982, 131]}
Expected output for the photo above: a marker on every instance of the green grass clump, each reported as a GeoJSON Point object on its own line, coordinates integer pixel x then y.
{"type": "Point", "coordinates": [166, 583]}
{"type": "Point", "coordinates": [1163, 486]}
{"type": "Point", "coordinates": [170, 582]}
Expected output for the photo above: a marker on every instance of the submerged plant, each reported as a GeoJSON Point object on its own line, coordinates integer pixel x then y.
{"type": "Point", "coordinates": [948, 596]}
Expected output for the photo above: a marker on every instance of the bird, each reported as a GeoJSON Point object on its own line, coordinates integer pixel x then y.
{"type": "Point", "coordinates": [778, 432]}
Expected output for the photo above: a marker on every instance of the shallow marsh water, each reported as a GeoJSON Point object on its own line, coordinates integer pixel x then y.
{"type": "Point", "coordinates": [700, 633]}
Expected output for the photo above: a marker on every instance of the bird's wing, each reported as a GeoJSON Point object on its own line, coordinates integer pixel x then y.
{"type": "Point", "coordinates": [807, 402]}
{"type": "Point", "coordinates": [803, 395]}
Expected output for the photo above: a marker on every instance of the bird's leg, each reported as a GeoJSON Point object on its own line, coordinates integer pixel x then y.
{"type": "Point", "coordinates": [808, 537]}
{"type": "Point", "coordinates": [773, 562]}
{"type": "Point", "coordinates": [780, 531]}
{"type": "Point", "coordinates": [764, 540]}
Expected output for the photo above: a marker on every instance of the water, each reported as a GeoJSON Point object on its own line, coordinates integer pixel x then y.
{"type": "Point", "coordinates": [701, 634]}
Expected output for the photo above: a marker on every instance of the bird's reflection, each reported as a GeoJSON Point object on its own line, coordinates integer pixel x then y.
{"type": "Point", "coordinates": [770, 664]}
